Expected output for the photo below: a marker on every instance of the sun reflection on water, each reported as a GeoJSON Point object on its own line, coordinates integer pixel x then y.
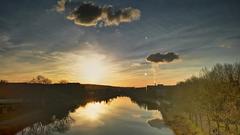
{"type": "Point", "coordinates": [92, 111]}
{"type": "Point", "coordinates": [94, 115]}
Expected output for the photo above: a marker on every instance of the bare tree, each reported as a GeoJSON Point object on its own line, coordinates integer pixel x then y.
{"type": "Point", "coordinates": [3, 81]}
{"type": "Point", "coordinates": [63, 82]}
{"type": "Point", "coordinates": [215, 95]}
{"type": "Point", "coordinates": [41, 79]}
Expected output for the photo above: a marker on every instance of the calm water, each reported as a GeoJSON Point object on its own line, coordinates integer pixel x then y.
{"type": "Point", "coordinates": [119, 116]}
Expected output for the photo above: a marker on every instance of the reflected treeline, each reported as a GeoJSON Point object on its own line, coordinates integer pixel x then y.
{"type": "Point", "coordinates": [60, 126]}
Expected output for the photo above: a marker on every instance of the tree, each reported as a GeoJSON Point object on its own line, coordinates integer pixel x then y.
{"type": "Point", "coordinates": [63, 82]}
{"type": "Point", "coordinates": [215, 94]}
{"type": "Point", "coordinates": [3, 81]}
{"type": "Point", "coordinates": [41, 80]}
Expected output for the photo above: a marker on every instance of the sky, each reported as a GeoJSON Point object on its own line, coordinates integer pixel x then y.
{"type": "Point", "coordinates": [110, 41]}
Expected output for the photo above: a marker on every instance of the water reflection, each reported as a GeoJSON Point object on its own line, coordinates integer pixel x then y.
{"type": "Point", "coordinates": [60, 126]}
{"type": "Point", "coordinates": [157, 123]}
{"type": "Point", "coordinates": [117, 116]}
{"type": "Point", "coordinates": [91, 111]}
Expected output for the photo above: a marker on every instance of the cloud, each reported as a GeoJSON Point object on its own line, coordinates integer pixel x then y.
{"type": "Point", "coordinates": [135, 64]}
{"type": "Point", "coordinates": [158, 57]}
{"type": "Point", "coordinates": [61, 5]}
{"type": "Point", "coordinates": [228, 46]}
{"type": "Point", "coordinates": [6, 44]}
{"type": "Point", "coordinates": [89, 14]}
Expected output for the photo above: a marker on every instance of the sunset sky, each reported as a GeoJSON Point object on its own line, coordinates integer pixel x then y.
{"type": "Point", "coordinates": [111, 42]}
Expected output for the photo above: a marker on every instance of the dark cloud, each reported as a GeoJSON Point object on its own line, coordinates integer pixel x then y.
{"type": "Point", "coordinates": [158, 57]}
{"type": "Point", "coordinates": [89, 14]}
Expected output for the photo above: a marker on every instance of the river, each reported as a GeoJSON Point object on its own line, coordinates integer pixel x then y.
{"type": "Point", "coordinates": [118, 116]}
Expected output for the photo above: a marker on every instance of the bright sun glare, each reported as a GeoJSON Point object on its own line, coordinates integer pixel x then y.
{"type": "Point", "coordinates": [93, 70]}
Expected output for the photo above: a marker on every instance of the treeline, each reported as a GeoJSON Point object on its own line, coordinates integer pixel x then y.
{"type": "Point", "coordinates": [39, 80]}
{"type": "Point", "coordinates": [212, 100]}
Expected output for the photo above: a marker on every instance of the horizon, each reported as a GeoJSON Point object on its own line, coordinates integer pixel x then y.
{"type": "Point", "coordinates": [66, 83]}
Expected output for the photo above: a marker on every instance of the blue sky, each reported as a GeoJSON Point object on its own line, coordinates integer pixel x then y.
{"type": "Point", "coordinates": [36, 39]}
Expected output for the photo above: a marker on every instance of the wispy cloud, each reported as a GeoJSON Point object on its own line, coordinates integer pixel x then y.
{"type": "Point", "coordinates": [228, 46]}
{"type": "Point", "coordinates": [6, 44]}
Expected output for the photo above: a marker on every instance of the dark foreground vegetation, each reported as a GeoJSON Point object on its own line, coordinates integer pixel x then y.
{"type": "Point", "coordinates": [205, 105]}
{"type": "Point", "coordinates": [209, 103]}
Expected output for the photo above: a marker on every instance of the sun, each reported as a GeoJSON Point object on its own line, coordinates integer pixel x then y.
{"type": "Point", "coordinates": [93, 69]}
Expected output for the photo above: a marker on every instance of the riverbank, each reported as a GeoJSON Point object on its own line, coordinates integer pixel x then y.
{"type": "Point", "coordinates": [177, 121]}
{"type": "Point", "coordinates": [181, 125]}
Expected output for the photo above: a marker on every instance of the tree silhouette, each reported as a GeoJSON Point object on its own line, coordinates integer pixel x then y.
{"type": "Point", "coordinates": [63, 81]}
{"type": "Point", "coordinates": [41, 80]}
{"type": "Point", "coordinates": [3, 81]}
